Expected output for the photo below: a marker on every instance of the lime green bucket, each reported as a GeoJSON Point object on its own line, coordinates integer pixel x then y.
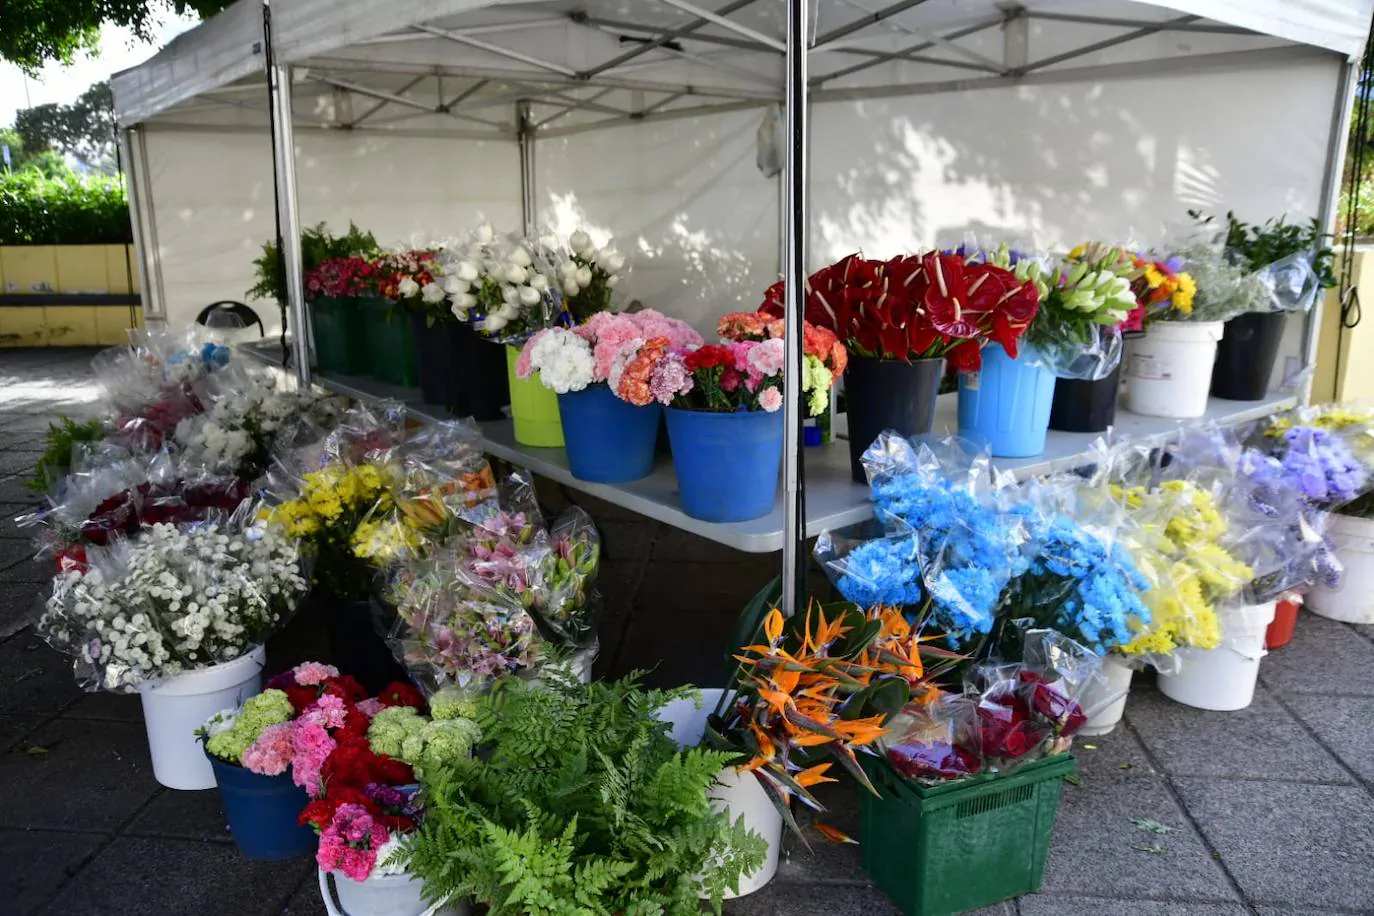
{"type": "Point", "coordinates": [534, 408]}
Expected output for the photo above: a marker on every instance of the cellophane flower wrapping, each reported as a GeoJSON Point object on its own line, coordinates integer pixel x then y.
{"type": "Point", "coordinates": [1081, 579]}
{"type": "Point", "coordinates": [174, 601]}
{"type": "Point", "coordinates": [1290, 284]}
{"type": "Point", "coordinates": [1225, 288]}
{"type": "Point", "coordinates": [505, 285]}
{"type": "Point", "coordinates": [1014, 709]}
{"type": "Point", "coordinates": [1273, 524]}
{"type": "Point", "coordinates": [971, 538]}
{"type": "Point", "coordinates": [504, 592]}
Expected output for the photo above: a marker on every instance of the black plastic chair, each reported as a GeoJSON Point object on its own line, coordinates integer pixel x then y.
{"type": "Point", "coordinates": [243, 314]}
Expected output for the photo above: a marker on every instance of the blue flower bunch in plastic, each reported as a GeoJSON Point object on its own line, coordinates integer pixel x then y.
{"type": "Point", "coordinates": [967, 548]}
{"type": "Point", "coordinates": [882, 571]}
{"type": "Point", "coordinates": [1305, 554]}
{"type": "Point", "coordinates": [1084, 588]}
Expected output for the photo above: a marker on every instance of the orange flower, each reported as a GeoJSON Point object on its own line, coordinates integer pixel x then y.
{"type": "Point", "coordinates": [814, 776]}
{"type": "Point", "coordinates": [834, 835]}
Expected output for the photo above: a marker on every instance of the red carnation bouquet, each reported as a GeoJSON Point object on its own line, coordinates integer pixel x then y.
{"type": "Point", "coordinates": [917, 307]}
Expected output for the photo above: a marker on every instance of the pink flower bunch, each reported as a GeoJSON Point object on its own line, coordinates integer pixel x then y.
{"type": "Point", "coordinates": [649, 372]}
{"type": "Point", "coordinates": [312, 674]}
{"type": "Point", "coordinates": [681, 335]}
{"type": "Point", "coordinates": [271, 754]}
{"type": "Point", "coordinates": [370, 707]}
{"type": "Point", "coordinates": [329, 711]}
{"type": "Point", "coordinates": [350, 843]}
{"type": "Point", "coordinates": [311, 745]}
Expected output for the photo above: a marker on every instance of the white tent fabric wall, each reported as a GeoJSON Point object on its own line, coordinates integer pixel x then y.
{"type": "Point", "coordinates": [212, 196]}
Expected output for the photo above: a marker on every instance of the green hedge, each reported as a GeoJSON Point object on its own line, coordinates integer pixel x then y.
{"type": "Point", "coordinates": [72, 210]}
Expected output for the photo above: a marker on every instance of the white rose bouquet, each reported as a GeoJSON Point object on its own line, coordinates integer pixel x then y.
{"type": "Point", "coordinates": [173, 601]}
{"type": "Point", "coordinates": [501, 283]}
{"type": "Point", "coordinates": [588, 275]}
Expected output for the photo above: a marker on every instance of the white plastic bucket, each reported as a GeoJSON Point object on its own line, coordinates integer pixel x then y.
{"type": "Point", "coordinates": [175, 707]}
{"type": "Point", "coordinates": [379, 895]}
{"type": "Point", "coordinates": [1169, 370]}
{"type": "Point", "coordinates": [1223, 678]}
{"type": "Point", "coordinates": [1353, 600]}
{"type": "Point", "coordinates": [736, 793]}
{"type": "Point", "coordinates": [1105, 699]}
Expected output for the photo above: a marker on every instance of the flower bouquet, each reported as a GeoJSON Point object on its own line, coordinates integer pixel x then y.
{"type": "Point", "coordinates": [588, 276]}
{"type": "Point", "coordinates": [335, 290]}
{"type": "Point", "coordinates": [179, 616]}
{"type": "Point", "coordinates": [901, 319]}
{"type": "Point", "coordinates": [611, 376]}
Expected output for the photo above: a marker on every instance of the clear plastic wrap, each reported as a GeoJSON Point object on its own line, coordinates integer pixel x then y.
{"type": "Point", "coordinates": [936, 740]}
{"type": "Point", "coordinates": [172, 601]}
{"type": "Point", "coordinates": [971, 537]}
{"type": "Point", "coordinates": [871, 567]}
{"type": "Point", "coordinates": [1290, 284]}
{"type": "Point", "coordinates": [1224, 287]}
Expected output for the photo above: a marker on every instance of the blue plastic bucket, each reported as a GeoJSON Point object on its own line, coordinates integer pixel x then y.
{"type": "Point", "coordinates": [1007, 404]}
{"type": "Point", "coordinates": [607, 440]}
{"type": "Point", "coordinates": [727, 463]}
{"type": "Point", "coordinates": [262, 811]}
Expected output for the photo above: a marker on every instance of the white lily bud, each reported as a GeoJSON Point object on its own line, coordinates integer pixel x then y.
{"type": "Point", "coordinates": [567, 270]}
{"type": "Point", "coordinates": [611, 281]}
{"type": "Point", "coordinates": [529, 295]}
{"type": "Point", "coordinates": [510, 311]}
{"type": "Point", "coordinates": [407, 288]}
{"type": "Point", "coordinates": [455, 285]}
{"type": "Point", "coordinates": [540, 283]}
{"type": "Point", "coordinates": [464, 301]}
{"type": "Point", "coordinates": [584, 276]}
{"type": "Point", "coordinates": [579, 242]}
{"type": "Point", "coordinates": [514, 273]}
{"type": "Point", "coordinates": [493, 323]}
{"type": "Point", "coordinates": [432, 293]}
{"type": "Point", "coordinates": [571, 289]}
{"type": "Point", "coordinates": [485, 233]}
{"type": "Point", "coordinates": [520, 255]}
{"type": "Point", "coordinates": [509, 295]}
{"type": "Point", "coordinates": [611, 260]}
{"type": "Point", "coordinates": [459, 312]}
{"type": "Point", "coordinates": [467, 271]}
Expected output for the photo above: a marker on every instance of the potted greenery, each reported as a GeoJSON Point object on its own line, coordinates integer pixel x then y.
{"type": "Point", "coordinates": [577, 802]}
{"type": "Point", "coordinates": [1290, 264]}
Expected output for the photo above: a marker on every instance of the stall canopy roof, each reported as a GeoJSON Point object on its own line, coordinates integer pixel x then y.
{"type": "Point", "coordinates": [585, 63]}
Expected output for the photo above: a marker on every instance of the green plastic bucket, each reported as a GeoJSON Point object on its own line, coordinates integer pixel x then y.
{"type": "Point", "coordinates": [340, 335]}
{"type": "Point", "coordinates": [957, 846]}
{"type": "Point", "coordinates": [391, 345]}
{"type": "Point", "coordinates": [533, 407]}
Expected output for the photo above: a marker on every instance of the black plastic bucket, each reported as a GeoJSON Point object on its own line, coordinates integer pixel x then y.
{"type": "Point", "coordinates": [459, 370]}
{"type": "Point", "coordinates": [1085, 407]}
{"type": "Point", "coordinates": [1246, 354]}
{"type": "Point", "coordinates": [357, 642]}
{"type": "Point", "coordinates": [885, 394]}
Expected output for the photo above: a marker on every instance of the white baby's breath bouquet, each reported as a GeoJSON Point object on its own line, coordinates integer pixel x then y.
{"type": "Point", "coordinates": [173, 601]}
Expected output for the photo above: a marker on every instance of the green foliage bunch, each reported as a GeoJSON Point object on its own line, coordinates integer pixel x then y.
{"type": "Point", "coordinates": [579, 804]}
{"type": "Point", "coordinates": [68, 209]}
{"type": "Point", "coordinates": [59, 442]}
{"type": "Point", "coordinates": [317, 246]}
{"type": "Point", "coordinates": [1260, 244]}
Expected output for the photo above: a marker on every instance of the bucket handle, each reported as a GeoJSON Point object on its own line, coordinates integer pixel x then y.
{"type": "Point", "coordinates": [335, 908]}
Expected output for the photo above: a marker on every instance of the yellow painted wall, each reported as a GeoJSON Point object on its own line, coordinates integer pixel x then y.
{"type": "Point", "coordinates": [1345, 356]}
{"type": "Point", "coordinates": [67, 269]}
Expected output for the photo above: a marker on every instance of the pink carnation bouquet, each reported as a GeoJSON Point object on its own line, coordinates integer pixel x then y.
{"type": "Point", "coordinates": [638, 354]}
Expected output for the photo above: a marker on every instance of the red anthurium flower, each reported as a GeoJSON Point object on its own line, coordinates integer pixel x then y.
{"type": "Point", "coordinates": [948, 303]}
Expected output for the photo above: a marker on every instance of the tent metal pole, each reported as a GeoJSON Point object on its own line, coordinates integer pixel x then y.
{"type": "Point", "coordinates": [525, 135]}
{"type": "Point", "coordinates": [284, 159]}
{"type": "Point", "coordinates": [134, 178]}
{"type": "Point", "coordinates": [499, 51]}
{"type": "Point", "coordinates": [794, 276]}
{"type": "Point", "coordinates": [1337, 142]}
{"type": "Point", "coordinates": [726, 23]}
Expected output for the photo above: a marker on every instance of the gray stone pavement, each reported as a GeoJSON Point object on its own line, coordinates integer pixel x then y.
{"type": "Point", "coordinates": [1270, 810]}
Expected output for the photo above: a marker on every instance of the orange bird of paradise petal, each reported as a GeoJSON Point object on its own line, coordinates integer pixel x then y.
{"type": "Point", "coordinates": [861, 731]}
{"type": "Point", "coordinates": [813, 776]}
{"type": "Point", "coordinates": [834, 835]}
{"type": "Point", "coordinates": [772, 626]}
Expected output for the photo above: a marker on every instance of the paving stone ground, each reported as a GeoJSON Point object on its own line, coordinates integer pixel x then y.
{"type": "Point", "coordinates": [1271, 809]}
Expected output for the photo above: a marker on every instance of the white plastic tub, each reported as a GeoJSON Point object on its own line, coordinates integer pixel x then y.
{"type": "Point", "coordinates": [175, 707]}
{"type": "Point", "coordinates": [1105, 700]}
{"type": "Point", "coordinates": [1169, 370]}
{"type": "Point", "coordinates": [1353, 600]}
{"type": "Point", "coordinates": [735, 792]}
{"type": "Point", "coordinates": [1223, 679]}
{"type": "Point", "coordinates": [379, 895]}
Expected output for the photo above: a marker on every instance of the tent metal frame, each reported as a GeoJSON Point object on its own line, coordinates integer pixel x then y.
{"type": "Point", "coordinates": [561, 88]}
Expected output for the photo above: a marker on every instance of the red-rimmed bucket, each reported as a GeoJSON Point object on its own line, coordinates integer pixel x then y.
{"type": "Point", "coordinates": [1280, 632]}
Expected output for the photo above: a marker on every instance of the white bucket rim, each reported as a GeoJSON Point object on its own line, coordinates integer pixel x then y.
{"type": "Point", "coordinates": [1186, 331]}
{"type": "Point", "coordinates": [210, 679]}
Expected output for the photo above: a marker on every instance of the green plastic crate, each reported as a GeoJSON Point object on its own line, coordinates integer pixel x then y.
{"type": "Point", "coordinates": [391, 345]}
{"type": "Point", "coordinates": [963, 845]}
{"type": "Point", "coordinates": [340, 335]}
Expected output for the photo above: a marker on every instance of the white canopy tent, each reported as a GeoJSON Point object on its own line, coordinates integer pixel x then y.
{"type": "Point", "coordinates": [1043, 120]}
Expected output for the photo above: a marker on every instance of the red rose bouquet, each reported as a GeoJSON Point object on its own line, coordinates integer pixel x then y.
{"type": "Point", "coordinates": [917, 307]}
